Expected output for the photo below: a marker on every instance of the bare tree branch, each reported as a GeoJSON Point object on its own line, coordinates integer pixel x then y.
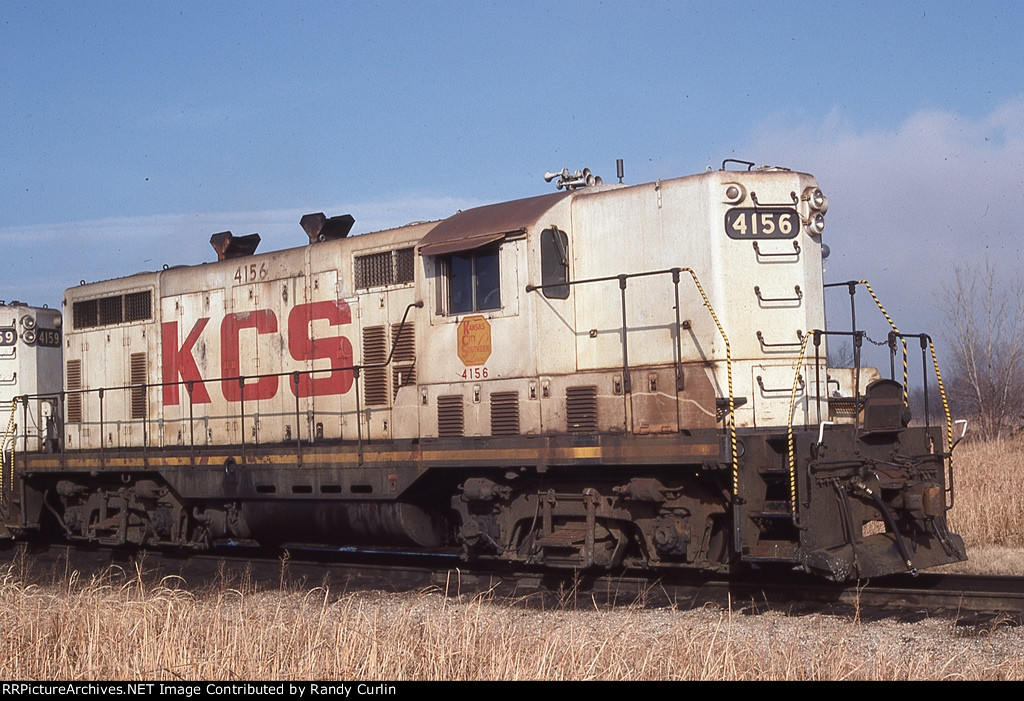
{"type": "Point", "coordinates": [986, 332]}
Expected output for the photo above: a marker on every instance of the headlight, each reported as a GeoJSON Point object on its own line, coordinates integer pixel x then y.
{"type": "Point", "coordinates": [816, 199]}
{"type": "Point", "coordinates": [28, 336]}
{"type": "Point", "coordinates": [28, 322]}
{"type": "Point", "coordinates": [816, 224]}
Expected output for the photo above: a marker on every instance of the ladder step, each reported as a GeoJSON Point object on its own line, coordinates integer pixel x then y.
{"type": "Point", "coordinates": [771, 551]}
{"type": "Point", "coordinates": [772, 509]}
{"type": "Point", "coordinates": [567, 536]}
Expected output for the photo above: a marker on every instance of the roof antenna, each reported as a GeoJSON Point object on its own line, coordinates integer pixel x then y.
{"type": "Point", "coordinates": [618, 169]}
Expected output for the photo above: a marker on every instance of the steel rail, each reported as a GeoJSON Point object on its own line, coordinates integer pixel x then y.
{"type": "Point", "coordinates": [953, 595]}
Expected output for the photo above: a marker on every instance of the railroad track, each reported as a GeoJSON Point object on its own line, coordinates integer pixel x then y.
{"type": "Point", "coordinates": [964, 597]}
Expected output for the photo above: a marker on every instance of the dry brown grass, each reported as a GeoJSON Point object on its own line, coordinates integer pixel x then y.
{"type": "Point", "coordinates": [125, 628]}
{"type": "Point", "coordinates": [107, 630]}
{"type": "Point", "coordinates": [989, 493]}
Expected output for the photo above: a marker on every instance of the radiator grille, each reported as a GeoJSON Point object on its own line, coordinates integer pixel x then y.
{"type": "Point", "coordinates": [74, 401]}
{"type": "Point", "coordinates": [581, 409]}
{"type": "Point", "coordinates": [450, 416]}
{"type": "Point", "coordinates": [84, 314]}
{"type": "Point", "coordinates": [111, 310]}
{"type": "Point", "coordinates": [138, 306]}
{"type": "Point", "coordinates": [373, 270]}
{"type": "Point", "coordinates": [385, 268]}
{"type": "Point", "coordinates": [116, 309]}
{"type": "Point", "coordinates": [138, 381]}
{"type": "Point", "coordinates": [405, 261]}
{"type": "Point", "coordinates": [375, 352]}
{"type": "Point", "coordinates": [505, 414]}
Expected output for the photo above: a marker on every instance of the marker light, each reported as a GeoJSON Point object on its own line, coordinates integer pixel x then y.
{"type": "Point", "coordinates": [734, 193]}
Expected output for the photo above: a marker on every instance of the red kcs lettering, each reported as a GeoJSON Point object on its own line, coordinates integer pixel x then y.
{"type": "Point", "coordinates": [264, 321]}
{"type": "Point", "coordinates": [179, 362]}
{"type": "Point", "coordinates": [336, 349]}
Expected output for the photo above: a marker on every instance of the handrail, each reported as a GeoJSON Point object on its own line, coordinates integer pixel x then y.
{"type": "Point", "coordinates": [926, 343]}
{"type": "Point", "coordinates": [676, 274]}
{"type": "Point", "coordinates": [789, 426]}
{"type": "Point", "coordinates": [851, 285]}
{"type": "Point", "coordinates": [189, 386]}
{"type": "Point", "coordinates": [795, 254]}
{"type": "Point", "coordinates": [7, 464]}
{"type": "Point", "coordinates": [799, 295]}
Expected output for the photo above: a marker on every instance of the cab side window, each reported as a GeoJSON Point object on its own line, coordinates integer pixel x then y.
{"type": "Point", "coordinates": [474, 281]}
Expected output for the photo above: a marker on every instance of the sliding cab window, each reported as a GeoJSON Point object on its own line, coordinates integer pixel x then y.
{"type": "Point", "coordinates": [554, 263]}
{"type": "Point", "coordinates": [474, 281]}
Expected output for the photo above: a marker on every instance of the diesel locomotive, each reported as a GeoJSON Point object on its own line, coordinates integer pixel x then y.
{"type": "Point", "coordinates": [606, 376]}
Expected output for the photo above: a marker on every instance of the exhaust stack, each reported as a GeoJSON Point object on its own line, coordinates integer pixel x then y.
{"type": "Point", "coordinates": [319, 228]}
{"type": "Point", "coordinates": [229, 246]}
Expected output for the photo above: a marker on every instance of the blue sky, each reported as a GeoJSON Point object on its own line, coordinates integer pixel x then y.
{"type": "Point", "coordinates": [131, 131]}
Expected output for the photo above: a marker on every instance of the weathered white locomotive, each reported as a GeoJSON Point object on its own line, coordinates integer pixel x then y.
{"type": "Point", "coordinates": [606, 376]}
{"type": "Point", "coordinates": [30, 366]}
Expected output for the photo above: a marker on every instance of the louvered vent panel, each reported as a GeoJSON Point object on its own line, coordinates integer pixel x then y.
{"type": "Point", "coordinates": [138, 379]}
{"type": "Point", "coordinates": [505, 414]}
{"type": "Point", "coordinates": [581, 409]}
{"type": "Point", "coordinates": [375, 379]}
{"type": "Point", "coordinates": [403, 362]}
{"type": "Point", "coordinates": [74, 399]}
{"type": "Point", "coordinates": [405, 343]}
{"type": "Point", "coordinates": [450, 417]}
